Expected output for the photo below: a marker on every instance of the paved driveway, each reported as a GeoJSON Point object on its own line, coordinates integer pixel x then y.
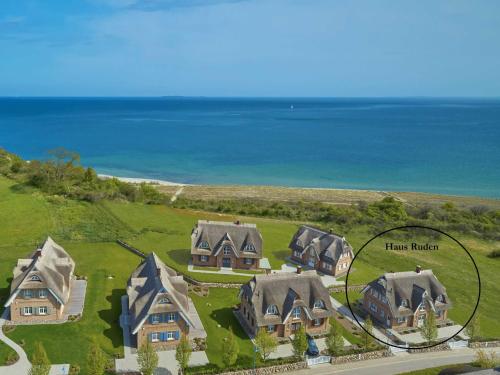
{"type": "Point", "coordinates": [22, 366]}
{"type": "Point", "coordinates": [286, 350]}
{"type": "Point", "coordinates": [443, 334]}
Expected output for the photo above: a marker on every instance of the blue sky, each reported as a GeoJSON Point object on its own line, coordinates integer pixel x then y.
{"type": "Point", "coordinates": [250, 48]}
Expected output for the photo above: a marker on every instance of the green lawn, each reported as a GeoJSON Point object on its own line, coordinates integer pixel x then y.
{"type": "Point", "coordinates": [88, 232]}
{"type": "Point", "coordinates": [167, 232]}
{"type": "Point", "coordinates": [5, 353]}
{"type": "Point", "coordinates": [215, 310]}
{"type": "Point", "coordinates": [431, 371]}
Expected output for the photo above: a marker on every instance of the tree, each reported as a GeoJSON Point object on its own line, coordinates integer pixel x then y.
{"type": "Point", "coordinates": [183, 353]}
{"type": "Point", "coordinates": [334, 339]}
{"type": "Point", "coordinates": [429, 329]}
{"type": "Point", "coordinates": [230, 349]}
{"type": "Point", "coordinates": [40, 364]}
{"type": "Point", "coordinates": [96, 359]}
{"type": "Point", "coordinates": [299, 342]}
{"type": "Point", "coordinates": [147, 359]}
{"type": "Point", "coordinates": [366, 335]}
{"type": "Point", "coordinates": [473, 328]}
{"type": "Point", "coordinates": [266, 343]}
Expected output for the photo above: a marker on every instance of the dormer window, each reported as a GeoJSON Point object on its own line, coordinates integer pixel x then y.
{"type": "Point", "coordinates": [272, 310]}
{"type": "Point", "coordinates": [440, 298]}
{"type": "Point", "coordinates": [227, 249]}
{"type": "Point", "coordinates": [35, 278]}
{"type": "Point", "coordinates": [164, 300]}
{"type": "Point", "coordinates": [296, 313]}
{"type": "Point", "coordinates": [204, 245]}
{"type": "Point", "coordinates": [249, 247]}
{"type": "Point", "coordinates": [319, 304]}
{"type": "Point", "coordinates": [404, 303]}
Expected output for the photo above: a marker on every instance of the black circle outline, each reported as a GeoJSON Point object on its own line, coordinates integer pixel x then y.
{"type": "Point", "coordinates": [404, 227]}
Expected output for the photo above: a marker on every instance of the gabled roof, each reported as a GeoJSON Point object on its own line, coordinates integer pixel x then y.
{"type": "Point", "coordinates": [327, 246]}
{"type": "Point", "coordinates": [413, 287]}
{"type": "Point", "coordinates": [151, 281]}
{"type": "Point", "coordinates": [286, 291]}
{"type": "Point", "coordinates": [219, 233]}
{"type": "Point", "coordinates": [53, 267]}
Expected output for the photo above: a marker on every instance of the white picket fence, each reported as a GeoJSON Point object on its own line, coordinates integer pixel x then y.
{"type": "Point", "coordinates": [311, 361]}
{"type": "Point", "coordinates": [458, 344]}
{"type": "Point", "coordinates": [395, 350]}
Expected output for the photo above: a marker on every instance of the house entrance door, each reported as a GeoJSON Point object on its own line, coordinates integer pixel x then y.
{"type": "Point", "coordinates": [421, 320]}
{"type": "Point", "coordinates": [226, 262]}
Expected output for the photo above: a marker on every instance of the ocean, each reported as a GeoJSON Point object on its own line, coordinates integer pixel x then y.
{"type": "Point", "coordinates": [448, 146]}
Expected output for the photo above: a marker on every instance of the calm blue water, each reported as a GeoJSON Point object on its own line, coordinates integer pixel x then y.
{"type": "Point", "coordinates": [446, 146]}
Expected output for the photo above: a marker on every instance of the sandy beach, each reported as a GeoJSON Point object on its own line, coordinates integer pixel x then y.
{"type": "Point", "coordinates": [134, 180]}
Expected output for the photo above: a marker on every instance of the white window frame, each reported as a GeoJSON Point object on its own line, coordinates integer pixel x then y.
{"type": "Point", "coordinates": [204, 258]}
{"type": "Point", "coordinates": [404, 303]}
{"type": "Point", "coordinates": [43, 310]}
{"type": "Point", "coordinates": [28, 293]}
{"type": "Point", "coordinates": [42, 293]}
{"type": "Point", "coordinates": [204, 245]}
{"type": "Point", "coordinates": [296, 313]}
{"type": "Point", "coordinates": [35, 278]}
{"type": "Point", "coordinates": [227, 249]}
{"type": "Point", "coordinates": [164, 300]}
{"type": "Point", "coordinates": [272, 310]}
{"type": "Point", "coordinates": [155, 319]}
{"type": "Point", "coordinates": [270, 328]}
{"type": "Point", "coordinates": [373, 307]}
{"type": "Point", "coordinates": [155, 337]}
{"type": "Point", "coordinates": [169, 316]}
{"type": "Point", "coordinates": [295, 326]}
{"type": "Point", "coordinates": [319, 304]}
{"type": "Point", "coordinates": [170, 335]}
{"type": "Point", "coordinates": [250, 247]}
{"type": "Point", "coordinates": [297, 253]}
{"type": "Point", "coordinates": [317, 322]}
{"type": "Point", "coordinates": [401, 319]}
{"type": "Point", "coordinates": [248, 261]}
{"type": "Point", "coordinates": [28, 310]}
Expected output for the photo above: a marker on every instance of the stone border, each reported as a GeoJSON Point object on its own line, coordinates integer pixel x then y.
{"type": "Point", "coordinates": [288, 367]}
{"type": "Point", "coordinates": [360, 356]}
{"type": "Point", "coordinates": [435, 348]}
{"type": "Point", "coordinates": [484, 344]}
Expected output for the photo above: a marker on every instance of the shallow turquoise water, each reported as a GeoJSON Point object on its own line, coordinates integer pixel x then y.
{"type": "Point", "coordinates": [446, 146]}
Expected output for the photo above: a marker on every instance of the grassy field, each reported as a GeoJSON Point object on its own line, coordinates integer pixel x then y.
{"type": "Point", "coordinates": [5, 353]}
{"type": "Point", "coordinates": [167, 232]}
{"type": "Point", "coordinates": [88, 232]}
{"type": "Point", "coordinates": [217, 316]}
{"type": "Point", "coordinates": [432, 371]}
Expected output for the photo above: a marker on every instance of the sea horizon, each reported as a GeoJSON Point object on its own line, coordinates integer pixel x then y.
{"type": "Point", "coordinates": [419, 144]}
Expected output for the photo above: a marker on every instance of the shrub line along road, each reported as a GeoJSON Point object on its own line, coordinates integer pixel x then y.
{"type": "Point", "coordinates": [398, 364]}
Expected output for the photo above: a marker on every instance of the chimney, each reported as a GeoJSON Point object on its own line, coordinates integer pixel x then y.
{"type": "Point", "coordinates": [38, 253]}
{"type": "Point", "coordinates": [418, 269]}
{"type": "Point", "coordinates": [299, 270]}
